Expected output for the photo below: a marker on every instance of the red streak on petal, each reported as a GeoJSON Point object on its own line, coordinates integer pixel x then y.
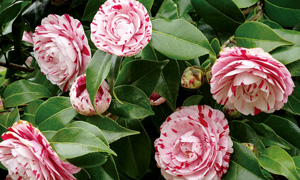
{"type": "Point", "coordinates": [204, 123]}
{"type": "Point", "coordinates": [209, 113]}
{"type": "Point", "coordinates": [85, 51]}
{"type": "Point", "coordinates": [256, 111]}
{"type": "Point", "coordinates": [165, 134]}
{"type": "Point", "coordinates": [118, 7]}
{"type": "Point", "coordinates": [169, 119]}
{"type": "Point", "coordinates": [261, 84]}
{"type": "Point", "coordinates": [174, 131]}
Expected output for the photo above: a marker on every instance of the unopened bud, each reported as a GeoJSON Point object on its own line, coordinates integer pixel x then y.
{"type": "Point", "coordinates": [231, 113]}
{"type": "Point", "coordinates": [208, 76]}
{"type": "Point", "coordinates": [251, 146]}
{"type": "Point", "coordinates": [155, 99]}
{"type": "Point", "coordinates": [192, 78]}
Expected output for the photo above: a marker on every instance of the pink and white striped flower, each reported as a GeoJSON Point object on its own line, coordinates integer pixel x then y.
{"type": "Point", "coordinates": [27, 154]}
{"type": "Point", "coordinates": [194, 144]}
{"type": "Point", "coordinates": [121, 27]}
{"type": "Point", "coordinates": [250, 80]}
{"type": "Point", "coordinates": [155, 99]}
{"type": "Point", "coordinates": [80, 97]}
{"type": "Point", "coordinates": [28, 37]}
{"type": "Point", "coordinates": [61, 49]}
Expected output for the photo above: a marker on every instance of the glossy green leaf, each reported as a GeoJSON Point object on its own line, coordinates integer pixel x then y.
{"type": "Point", "coordinates": [277, 161]}
{"type": "Point", "coordinates": [243, 164]}
{"type": "Point", "coordinates": [75, 142]}
{"type": "Point", "coordinates": [39, 78]}
{"type": "Point", "coordinates": [148, 4]}
{"type": "Point", "coordinates": [245, 134]}
{"type": "Point", "coordinates": [225, 16]}
{"type": "Point", "coordinates": [91, 9]}
{"type": "Point", "coordinates": [54, 113]}
{"type": "Point", "coordinates": [90, 160]}
{"type": "Point", "coordinates": [149, 53]}
{"type": "Point", "coordinates": [192, 100]}
{"type": "Point", "coordinates": [111, 130]}
{"type": "Point", "coordinates": [116, 62]}
{"type": "Point", "coordinates": [281, 12]}
{"type": "Point", "coordinates": [134, 103]}
{"type": "Point", "coordinates": [183, 7]}
{"type": "Point", "coordinates": [49, 134]}
{"type": "Point", "coordinates": [96, 72]}
{"type": "Point", "coordinates": [286, 129]}
{"type": "Point", "coordinates": [8, 119]}
{"type": "Point", "coordinates": [293, 102]}
{"type": "Point", "coordinates": [294, 68]}
{"type": "Point", "coordinates": [22, 91]}
{"type": "Point", "coordinates": [256, 34]}
{"type": "Point", "coordinates": [244, 3]}
{"type": "Point", "coordinates": [143, 74]}
{"type": "Point", "coordinates": [30, 110]}
{"type": "Point", "coordinates": [36, 12]}
{"type": "Point", "coordinates": [269, 134]}
{"type": "Point", "coordinates": [215, 44]}
{"type": "Point", "coordinates": [168, 10]}
{"type": "Point", "coordinates": [107, 171]}
{"type": "Point", "coordinates": [297, 163]}
{"type": "Point", "coordinates": [10, 12]}
{"type": "Point", "coordinates": [91, 128]}
{"type": "Point", "coordinates": [168, 83]}
{"type": "Point", "coordinates": [134, 158]}
{"type": "Point", "coordinates": [161, 113]}
{"type": "Point", "coordinates": [178, 39]}
{"type": "Point", "coordinates": [271, 24]}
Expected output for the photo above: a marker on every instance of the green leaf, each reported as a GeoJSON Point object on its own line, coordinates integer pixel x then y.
{"type": "Point", "coordinates": [107, 171]}
{"type": "Point", "coordinates": [111, 130]}
{"type": "Point", "coordinates": [91, 128]}
{"type": "Point", "coordinates": [168, 10]}
{"type": "Point", "coordinates": [149, 53]}
{"type": "Point", "coordinates": [134, 158]}
{"type": "Point", "coordinates": [148, 4]}
{"type": "Point", "coordinates": [168, 83]}
{"type": "Point", "coordinates": [7, 120]}
{"type": "Point", "coordinates": [54, 113]}
{"type": "Point", "coordinates": [30, 110]}
{"type": "Point", "coordinates": [215, 44]}
{"type": "Point", "coordinates": [244, 3]}
{"type": "Point", "coordinates": [225, 16]}
{"type": "Point", "coordinates": [39, 78]}
{"type": "Point", "coordinates": [245, 134]}
{"type": "Point", "coordinates": [36, 12]}
{"type": "Point", "coordinates": [178, 39]}
{"type": "Point", "coordinates": [134, 103]}
{"type": "Point", "coordinates": [116, 62]}
{"type": "Point", "coordinates": [143, 74]}
{"type": "Point", "coordinates": [277, 161]}
{"type": "Point", "coordinates": [271, 24]}
{"type": "Point", "coordinates": [256, 34]}
{"type": "Point", "coordinates": [96, 72]}
{"type": "Point", "coordinates": [91, 9]}
{"type": "Point", "coordinates": [75, 142]}
{"type": "Point", "coordinates": [161, 113]}
{"type": "Point", "coordinates": [297, 163]}
{"type": "Point", "coordinates": [243, 164]}
{"type": "Point", "coordinates": [192, 100]}
{"type": "Point", "coordinates": [10, 12]}
{"type": "Point", "coordinates": [22, 91]}
{"type": "Point", "coordinates": [293, 102]}
{"type": "Point", "coordinates": [286, 129]}
{"type": "Point", "coordinates": [293, 68]}
{"type": "Point", "coordinates": [281, 12]}
{"type": "Point", "coordinates": [269, 134]}
{"type": "Point", "coordinates": [183, 7]}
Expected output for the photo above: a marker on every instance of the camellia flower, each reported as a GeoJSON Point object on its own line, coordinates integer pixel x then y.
{"type": "Point", "coordinates": [250, 80]}
{"type": "Point", "coordinates": [61, 49]}
{"type": "Point", "coordinates": [27, 154]}
{"type": "Point", "coordinates": [80, 98]}
{"type": "Point", "coordinates": [121, 27]}
{"type": "Point", "coordinates": [155, 99]}
{"type": "Point", "coordinates": [194, 144]}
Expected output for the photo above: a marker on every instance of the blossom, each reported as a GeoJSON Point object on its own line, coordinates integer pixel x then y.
{"type": "Point", "coordinates": [250, 80]}
{"type": "Point", "coordinates": [27, 154]}
{"type": "Point", "coordinates": [80, 98]}
{"type": "Point", "coordinates": [28, 37]}
{"type": "Point", "coordinates": [61, 49]}
{"type": "Point", "coordinates": [121, 27]}
{"type": "Point", "coordinates": [155, 99]}
{"type": "Point", "coordinates": [192, 78]}
{"type": "Point", "coordinates": [194, 144]}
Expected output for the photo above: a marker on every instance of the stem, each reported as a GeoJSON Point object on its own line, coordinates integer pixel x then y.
{"type": "Point", "coordinates": [16, 66]}
{"type": "Point", "coordinates": [259, 11]}
{"type": "Point", "coordinates": [226, 43]}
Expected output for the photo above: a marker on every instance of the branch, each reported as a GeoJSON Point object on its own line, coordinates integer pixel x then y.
{"type": "Point", "coordinates": [259, 11]}
{"type": "Point", "coordinates": [230, 40]}
{"type": "Point", "coordinates": [16, 67]}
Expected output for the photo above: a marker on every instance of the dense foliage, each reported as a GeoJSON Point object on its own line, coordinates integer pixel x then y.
{"type": "Point", "coordinates": [118, 144]}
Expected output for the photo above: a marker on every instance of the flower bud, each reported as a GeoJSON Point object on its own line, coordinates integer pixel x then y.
{"type": "Point", "coordinates": [251, 146]}
{"type": "Point", "coordinates": [155, 99]}
{"type": "Point", "coordinates": [80, 98]}
{"type": "Point", "coordinates": [231, 113]}
{"type": "Point", "coordinates": [192, 78]}
{"type": "Point", "coordinates": [208, 76]}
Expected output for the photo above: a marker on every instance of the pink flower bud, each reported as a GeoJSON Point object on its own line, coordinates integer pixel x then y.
{"type": "Point", "coordinates": [231, 113]}
{"type": "Point", "coordinates": [155, 99]}
{"type": "Point", "coordinates": [192, 78]}
{"type": "Point", "coordinates": [28, 37]}
{"type": "Point", "coordinates": [80, 98]}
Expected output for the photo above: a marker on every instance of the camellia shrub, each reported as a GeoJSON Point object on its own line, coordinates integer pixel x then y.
{"type": "Point", "coordinates": [149, 89]}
